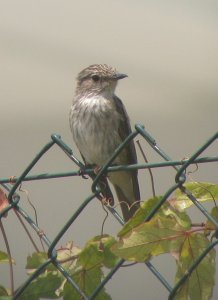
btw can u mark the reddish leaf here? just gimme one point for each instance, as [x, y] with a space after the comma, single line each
[3, 201]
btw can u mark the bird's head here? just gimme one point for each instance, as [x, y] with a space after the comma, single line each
[98, 79]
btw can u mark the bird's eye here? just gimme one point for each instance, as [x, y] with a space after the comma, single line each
[95, 78]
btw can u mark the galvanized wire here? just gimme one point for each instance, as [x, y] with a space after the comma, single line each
[11, 185]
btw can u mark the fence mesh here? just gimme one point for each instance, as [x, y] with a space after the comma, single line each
[11, 185]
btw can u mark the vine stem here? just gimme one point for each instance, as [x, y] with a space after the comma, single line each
[9, 255]
[27, 231]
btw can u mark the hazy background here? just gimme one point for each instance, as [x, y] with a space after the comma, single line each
[169, 49]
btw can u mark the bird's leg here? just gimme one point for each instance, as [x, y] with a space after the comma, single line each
[107, 198]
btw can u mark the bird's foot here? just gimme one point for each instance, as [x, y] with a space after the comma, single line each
[96, 170]
[107, 201]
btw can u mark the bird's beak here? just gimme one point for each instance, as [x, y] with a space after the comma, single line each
[120, 76]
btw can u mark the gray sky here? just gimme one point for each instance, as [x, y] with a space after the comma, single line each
[169, 49]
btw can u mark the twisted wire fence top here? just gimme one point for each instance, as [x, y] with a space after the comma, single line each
[11, 185]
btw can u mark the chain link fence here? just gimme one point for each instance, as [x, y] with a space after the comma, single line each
[11, 186]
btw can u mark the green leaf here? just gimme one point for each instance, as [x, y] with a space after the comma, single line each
[199, 285]
[202, 191]
[97, 253]
[140, 215]
[160, 235]
[36, 259]
[181, 217]
[4, 258]
[3, 291]
[43, 287]
[209, 226]
[87, 280]
[84, 267]
[68, 256]
[87, 271]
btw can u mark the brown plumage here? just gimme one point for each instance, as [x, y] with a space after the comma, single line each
[99, 123]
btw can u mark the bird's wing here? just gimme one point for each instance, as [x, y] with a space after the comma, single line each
[124, 131]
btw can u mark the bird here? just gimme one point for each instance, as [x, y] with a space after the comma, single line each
[99, 124]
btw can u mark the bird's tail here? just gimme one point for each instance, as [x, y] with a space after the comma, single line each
[127, 190]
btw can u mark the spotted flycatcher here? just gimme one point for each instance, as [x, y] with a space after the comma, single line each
[99, 124]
